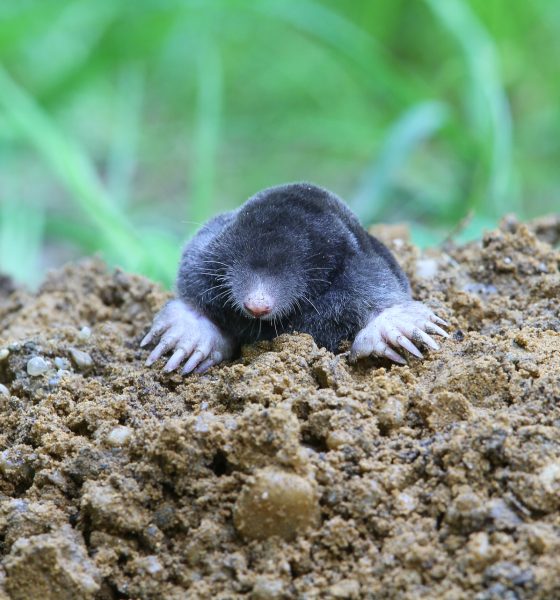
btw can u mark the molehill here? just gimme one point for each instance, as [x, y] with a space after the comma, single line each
[288, 473]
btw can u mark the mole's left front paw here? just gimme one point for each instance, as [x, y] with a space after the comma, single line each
[398, 326]
[192, 337]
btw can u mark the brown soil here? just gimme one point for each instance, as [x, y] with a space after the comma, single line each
[288, 473]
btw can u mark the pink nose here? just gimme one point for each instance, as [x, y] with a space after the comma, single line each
[257, 310]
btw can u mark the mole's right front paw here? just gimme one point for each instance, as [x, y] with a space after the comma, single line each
[192, 337]
[399, 326]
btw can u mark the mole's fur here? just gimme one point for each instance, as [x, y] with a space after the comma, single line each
[296, 256]
[325, 271]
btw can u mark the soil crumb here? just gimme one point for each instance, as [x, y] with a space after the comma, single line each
[288, 473]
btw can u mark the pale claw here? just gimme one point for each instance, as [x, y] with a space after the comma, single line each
[191, 336]
[156, 330]
[422, 337]
[408, 345]
[168, 341]
[399, 326]
[436, 319]
[391, 355]
[196, 358]
[212, 360]
[431, 328]
[176, 359]
[370, 341]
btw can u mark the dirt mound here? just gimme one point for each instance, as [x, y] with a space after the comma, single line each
[288, 473]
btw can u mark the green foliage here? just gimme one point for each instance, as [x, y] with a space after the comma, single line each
[124, 125]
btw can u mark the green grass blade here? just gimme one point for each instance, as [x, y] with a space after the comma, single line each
[21, 238]
[208, 110]
[409, 132]
[489, 104]
[73, 169]
[121, 160]
[348, 40]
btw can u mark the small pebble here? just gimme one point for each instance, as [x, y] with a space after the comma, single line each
[266, 588]
[164, 517]
[149, 564]
[37, 366]
[542, 537]
[4, 391]
[405, 503]
[502, 515]
[15, 465]
[347, 588]
[4, 353]
[54, 381]
[119, 436]
[231, 424]
[480, 288]
[550, 477]
[62, 363]
[458, 335]
[427, 268]
[338, 438]
[204, 422]
[85, 333]
[392, 414]
[82, 360]
[479, 547]
[58, 479]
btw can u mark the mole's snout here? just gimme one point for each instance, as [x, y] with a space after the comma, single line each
[256, 310]
[258, 302]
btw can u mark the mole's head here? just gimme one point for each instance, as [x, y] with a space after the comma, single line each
[267, 276]
[275, 260]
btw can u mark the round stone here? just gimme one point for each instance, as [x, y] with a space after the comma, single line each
[37, 366]
[85, 333]
[82, 360]
[119, 436]
[275, 502]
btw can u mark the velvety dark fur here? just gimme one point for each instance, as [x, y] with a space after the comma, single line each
[328, 275]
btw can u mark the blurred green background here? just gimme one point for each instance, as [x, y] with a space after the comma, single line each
[124, 125]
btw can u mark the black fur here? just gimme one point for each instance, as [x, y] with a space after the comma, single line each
[327, 274]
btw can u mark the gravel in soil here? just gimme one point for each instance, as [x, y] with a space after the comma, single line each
[288, 473]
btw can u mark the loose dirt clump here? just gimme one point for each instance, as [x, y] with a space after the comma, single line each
[288, 473]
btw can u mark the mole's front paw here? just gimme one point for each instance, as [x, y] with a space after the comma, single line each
[192, 337]
[398, 326]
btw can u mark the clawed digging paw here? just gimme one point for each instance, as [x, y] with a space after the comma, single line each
[400, 327]
[196, 342]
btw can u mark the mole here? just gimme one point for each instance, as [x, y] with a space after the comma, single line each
[292, 258]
